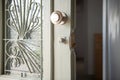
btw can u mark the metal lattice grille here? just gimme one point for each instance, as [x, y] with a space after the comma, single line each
[23, 37]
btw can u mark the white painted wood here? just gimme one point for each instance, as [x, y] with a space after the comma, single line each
[6, 77]
[47, 41]
[63, 55]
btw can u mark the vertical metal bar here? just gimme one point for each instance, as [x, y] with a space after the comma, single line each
[108, 52]
[104, 38]
[106, 42]
[41, 40]
[3, 24]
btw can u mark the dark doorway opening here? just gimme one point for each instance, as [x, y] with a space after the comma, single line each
[89, 39]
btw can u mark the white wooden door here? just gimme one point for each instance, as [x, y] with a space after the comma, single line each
[32, 47]
[63, 52]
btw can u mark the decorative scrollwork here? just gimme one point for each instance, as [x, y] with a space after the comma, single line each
[24, 18]
[19, 52]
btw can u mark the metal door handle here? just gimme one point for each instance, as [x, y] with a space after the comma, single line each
[58, 17]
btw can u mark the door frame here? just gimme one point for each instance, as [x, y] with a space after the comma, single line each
[48, 40]
[51, 50]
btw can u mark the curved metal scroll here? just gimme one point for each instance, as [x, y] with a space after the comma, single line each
[23, 36]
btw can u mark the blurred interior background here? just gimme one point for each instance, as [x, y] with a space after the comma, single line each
[89, 39]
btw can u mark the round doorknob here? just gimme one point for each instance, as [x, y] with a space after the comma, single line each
[58, 17]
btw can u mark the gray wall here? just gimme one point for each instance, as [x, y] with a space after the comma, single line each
[89, 21]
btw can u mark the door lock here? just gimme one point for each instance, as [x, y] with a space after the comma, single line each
[63, 40]
[58, 17]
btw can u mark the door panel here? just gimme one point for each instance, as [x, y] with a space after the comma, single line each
[33, 47]
[25, 41]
